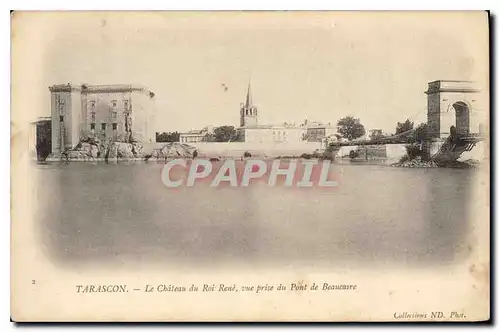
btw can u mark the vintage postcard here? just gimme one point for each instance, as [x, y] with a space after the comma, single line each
[250, 166]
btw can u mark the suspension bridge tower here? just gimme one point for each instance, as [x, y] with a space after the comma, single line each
[457, 104]
[456, 120]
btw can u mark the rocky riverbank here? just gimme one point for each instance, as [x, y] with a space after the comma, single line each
[419, 163]
[172, 150]
[92, 149]
[416, 163]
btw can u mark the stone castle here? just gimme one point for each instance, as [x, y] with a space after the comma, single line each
[105, 112]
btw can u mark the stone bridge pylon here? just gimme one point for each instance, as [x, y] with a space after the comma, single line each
[456, 118]
[455, 103]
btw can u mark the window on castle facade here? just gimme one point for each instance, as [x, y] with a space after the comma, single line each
[115, 126]
[113, 103]
[103, 126]
[113, 115]
[125, 104]
[92, 126]
[92, 115]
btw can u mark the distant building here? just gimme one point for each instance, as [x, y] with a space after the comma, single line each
[195, 136]
[318, 132]
[108, 112]
[271, 134]
[251, 131]
[41, 138]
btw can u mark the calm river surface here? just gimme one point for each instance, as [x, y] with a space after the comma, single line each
[123, 213]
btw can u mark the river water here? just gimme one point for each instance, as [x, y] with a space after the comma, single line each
[123, 213]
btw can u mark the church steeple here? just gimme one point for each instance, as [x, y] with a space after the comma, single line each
[248, 112]
[249, 96]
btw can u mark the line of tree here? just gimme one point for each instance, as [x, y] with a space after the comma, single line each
[348, 127]
[225, 134]
[168, 137]
[351, 128]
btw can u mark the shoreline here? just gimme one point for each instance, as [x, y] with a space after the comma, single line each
[377, 162]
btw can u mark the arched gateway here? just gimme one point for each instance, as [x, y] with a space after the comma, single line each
[453, 104]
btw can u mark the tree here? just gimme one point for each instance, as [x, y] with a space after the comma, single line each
[350, 128]
[401, 127]
[376, 134]
[225, 134]
[421, 132]
[159, 137]
[209, 137]
[168, 137]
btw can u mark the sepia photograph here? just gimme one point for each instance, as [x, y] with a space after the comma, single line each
[249, 166]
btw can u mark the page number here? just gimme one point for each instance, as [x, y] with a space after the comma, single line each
[33, 282]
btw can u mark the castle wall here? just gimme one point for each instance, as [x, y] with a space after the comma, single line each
[99, 111]
[143, 117]
[105, 113]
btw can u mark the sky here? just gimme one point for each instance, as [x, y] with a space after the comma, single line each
[303, 65]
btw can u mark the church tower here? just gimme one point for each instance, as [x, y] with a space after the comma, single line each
[248, 112]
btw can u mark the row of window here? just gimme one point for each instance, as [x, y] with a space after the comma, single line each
[190, 139]
[92, 125]
[113, 103]
[249, 112]
[60, 106]
[113, 115]
[103, 126]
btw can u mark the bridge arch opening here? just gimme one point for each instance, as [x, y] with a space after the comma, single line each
[462, 118]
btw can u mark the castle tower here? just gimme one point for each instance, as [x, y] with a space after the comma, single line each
[248, 112]
[65, 115]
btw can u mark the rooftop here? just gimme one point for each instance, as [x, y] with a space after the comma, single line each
[451, 86]
[271, 127]
[87, 88]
